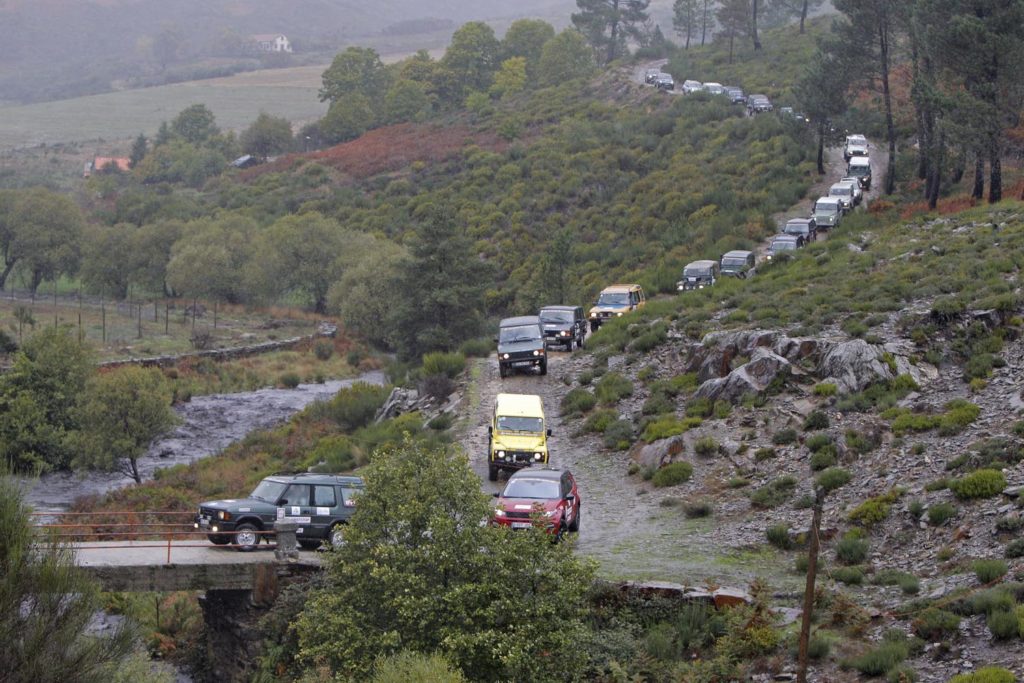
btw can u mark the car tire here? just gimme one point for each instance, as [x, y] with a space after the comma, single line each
[581, 341]
[575, 526]
[336, 536]
[594, 326]
[309, 545]
[544, 368]
[492, 472]
[246, 537]
[219, 539]
[502, 370]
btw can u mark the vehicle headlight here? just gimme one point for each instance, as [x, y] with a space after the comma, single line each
[223, 514]
[619, 314]
[700, 286]
[537, 456]
[214, 528]
[504, 356]
[538, 352]
[551, 513]
[565, 333]
[499, 512]
[195, 525]
[679, 287]
[501, 455]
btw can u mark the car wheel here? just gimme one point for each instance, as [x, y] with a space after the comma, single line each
[492, 473]
[309, 545]
[581, 341]
[544, 368]
[246, 538]
[560, 534]
[502, 371]
[594, 326]
[575, 526]
[336, 536]
[219, 539]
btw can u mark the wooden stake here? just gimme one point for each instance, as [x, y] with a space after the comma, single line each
[812, 573]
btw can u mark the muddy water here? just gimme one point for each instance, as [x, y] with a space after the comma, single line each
[208, 424]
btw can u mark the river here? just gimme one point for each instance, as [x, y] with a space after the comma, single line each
[208, 425]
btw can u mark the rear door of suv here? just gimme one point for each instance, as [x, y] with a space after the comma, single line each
[325, 509]
[296, 504]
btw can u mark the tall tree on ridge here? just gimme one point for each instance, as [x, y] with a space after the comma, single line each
[607, 24]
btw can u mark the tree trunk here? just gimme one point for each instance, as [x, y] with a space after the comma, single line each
[935, 172]
[821, 148]
[812, 572]
[614, 39]
[753, 26]
[732, 37]
[803, 16]
[959, 165]
[133, 464]
[979, 178]
[704, 24]
[890, 127]
[6, 272]
[37, 279]
[995, 177]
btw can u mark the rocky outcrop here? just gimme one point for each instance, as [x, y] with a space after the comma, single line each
[402, 401]
[753, 377]
[654, 455]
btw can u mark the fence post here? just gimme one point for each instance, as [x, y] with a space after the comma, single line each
[140, 320]
[287, 540]
[103, 314]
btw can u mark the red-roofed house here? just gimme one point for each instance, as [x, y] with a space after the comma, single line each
[123, 164]
[272, 42]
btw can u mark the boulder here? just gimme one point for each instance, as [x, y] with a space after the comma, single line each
[714, 355]
[654, 455]
[730, 597]
[751, 378]
[854, 365]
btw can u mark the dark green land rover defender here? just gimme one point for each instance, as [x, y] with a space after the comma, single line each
[320, 504]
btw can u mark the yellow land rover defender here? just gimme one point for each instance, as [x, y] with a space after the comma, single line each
[517, 435]
[615, 301]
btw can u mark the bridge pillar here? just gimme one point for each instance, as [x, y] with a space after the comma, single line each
[232, 633]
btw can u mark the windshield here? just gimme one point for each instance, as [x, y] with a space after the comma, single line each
[734, 262]
[613, 299]
[839, 191]
[796, 228]
[784, 246]
[533, 425]
[268, 491]
[556, 316]
[531, 488]
[519, 333]
[859, 170]
[696, 271]
[825, 209]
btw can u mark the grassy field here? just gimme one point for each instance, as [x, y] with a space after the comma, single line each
[235, 100]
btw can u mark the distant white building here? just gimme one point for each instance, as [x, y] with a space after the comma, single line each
[272, 42]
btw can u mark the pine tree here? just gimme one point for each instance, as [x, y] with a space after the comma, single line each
[607, 24]
[685, 19]
[734, 16]
[139, 149]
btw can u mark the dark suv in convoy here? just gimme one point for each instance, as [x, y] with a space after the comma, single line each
[546, 497]
[804, 227]
[521, 345]
[320, 504]
[564, 325]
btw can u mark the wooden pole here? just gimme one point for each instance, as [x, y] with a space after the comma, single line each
[55, 302]
[103, 313]
[167, 318]
[812, 573]
[156, 313]
[195, 305]
[215, 314]
[140, 320]
[81, 334]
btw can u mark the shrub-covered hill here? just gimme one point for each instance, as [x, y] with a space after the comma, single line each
[637, 190]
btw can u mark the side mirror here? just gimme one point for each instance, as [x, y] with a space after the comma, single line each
[495, 494]
[283, 501]
[570, 498]
[495, 340]
[549, 432]
[490, 429]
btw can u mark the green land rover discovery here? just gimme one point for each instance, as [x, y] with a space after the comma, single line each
[320, 504]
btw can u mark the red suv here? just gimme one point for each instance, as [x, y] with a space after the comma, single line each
[548, 492]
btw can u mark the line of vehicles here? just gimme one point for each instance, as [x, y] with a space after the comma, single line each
[756, 103]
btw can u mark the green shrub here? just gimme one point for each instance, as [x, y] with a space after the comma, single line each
[723, 409]
[699, 407]
[832, 478]
[706, 446]
[577, 402]
[980, 484]
[804, 502]
[988, 674]
[684, 382]
[901, 674]
[874, 510]
[672, 474]
[450, 365]
[774, 493]
[853, 576]
[815, 421]
[935, 624]
[289, 380]
[598, 421]
[333, 454]
[959, 414]
[816, 442]
[784, 437]
[619, 435]
[1003, 625]
[441, 422]
[612, 388]
[818, 647]
[908, 583]
[697, 509]
[823, 459]
[476, 348]
[664, 427]
[996, 599]
[940, 513]
[658, 404]
[861, 443]
[851, 550]
[323, 349]
[825, 389]
[762, 454]
[778, 536]
[988, 571]
[880, 660]
[937, 485]
[1015, 548]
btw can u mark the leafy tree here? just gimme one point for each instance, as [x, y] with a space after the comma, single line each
[369, 285]
[181, 162]
[195, 124]
[268, 135]
[139, 149]
[565, 57]
[472, 56]
[685, 19]
[163, 134]
[44, 236]
[9, 245]
[525, 38]
[420, 68]
[555, 267]
[210, 258]
[734, 17]
[299, 254]
[120, 414]
[443, 284]
[151, 247]
[356, 71]
[407, 100]
[755, 6]
[796, 8]
[419, 572]
[347, 119]
[608, 24]
[108, 259]
[511, 77]
[47, 606]
[166, 45]
[37, 398]
[823, 93]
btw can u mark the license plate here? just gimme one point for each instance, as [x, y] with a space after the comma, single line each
[522, 363]
[521, 525]
[203, 521]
